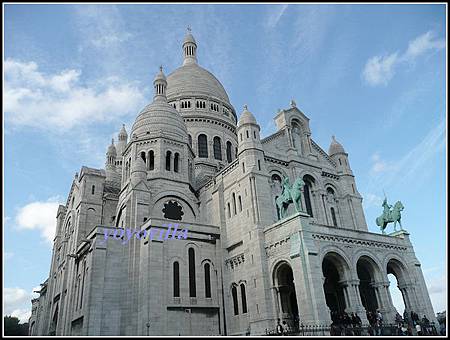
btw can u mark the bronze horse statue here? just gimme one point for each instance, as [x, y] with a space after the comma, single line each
[290, 195]
[389, 216]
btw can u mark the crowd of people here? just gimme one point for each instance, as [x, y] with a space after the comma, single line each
[411, 321]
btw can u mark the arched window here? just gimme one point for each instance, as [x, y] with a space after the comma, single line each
[202, 146]
[244, 299]
[93, 190]
[190, 140]
[176, 160]
[229, 152]
[307, 193]
[254, 134]
[235, 300]
[243, 167]
[234, 203]
[217, 148]
[151, 160]
[247, 133]
[168, 157]
[207, 280]
[143, 156]
[229, 210]
[259, 164]
[240, 203]
[333, 216]
[176, 279]
[192, 288]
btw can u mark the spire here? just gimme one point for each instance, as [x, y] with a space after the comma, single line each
[160, 85]
[123, 135]
[189, 48]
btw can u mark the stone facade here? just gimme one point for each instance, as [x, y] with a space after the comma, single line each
[189, 161]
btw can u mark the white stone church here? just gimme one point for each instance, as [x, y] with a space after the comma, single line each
[189, 160]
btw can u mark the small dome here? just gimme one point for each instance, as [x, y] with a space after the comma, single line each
[112, 149]
[189, 38]
[335, 147]
[247, 117]
[160, 75]
[160, 118]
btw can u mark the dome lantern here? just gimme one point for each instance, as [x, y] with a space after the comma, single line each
[160, 85]
[189, 48]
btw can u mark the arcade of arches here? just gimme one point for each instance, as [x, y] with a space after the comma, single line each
[347, 288]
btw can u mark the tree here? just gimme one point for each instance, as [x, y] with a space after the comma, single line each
[13, 327]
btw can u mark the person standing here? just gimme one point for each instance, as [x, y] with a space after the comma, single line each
[279, 328]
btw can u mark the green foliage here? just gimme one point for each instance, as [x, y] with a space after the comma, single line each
[13, 327]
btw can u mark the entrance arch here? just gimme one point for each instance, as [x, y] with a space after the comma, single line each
[336, 272]
[287, 299]
[368, 274]
[396, 268]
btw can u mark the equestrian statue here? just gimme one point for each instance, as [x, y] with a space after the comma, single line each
[390, 214]
[290, 194]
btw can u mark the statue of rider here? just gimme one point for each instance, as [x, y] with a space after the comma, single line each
[286, 187]
[386, 209]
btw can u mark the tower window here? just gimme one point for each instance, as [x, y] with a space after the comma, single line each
[235, 300]
[229, 210]
[229, 152]
[240, 203]
[254, 134]
[333, 216]
[176, 279]
[143, 156]
[244, 299]
[247, 133]
[192, 288]
[207, 280]
[202, 146]
[243, 167]
[217, 148]
[259, 164]
[176, 161]
[168, 157]
[151, 160]
[93, 190]
[234, 203]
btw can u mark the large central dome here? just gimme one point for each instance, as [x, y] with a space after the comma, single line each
[192, 80]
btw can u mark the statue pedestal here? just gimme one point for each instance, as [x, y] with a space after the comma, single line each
[400, 233]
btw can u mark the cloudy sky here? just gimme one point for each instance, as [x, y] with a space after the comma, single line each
[373, 75]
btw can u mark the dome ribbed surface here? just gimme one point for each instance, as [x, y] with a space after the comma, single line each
[192, 80]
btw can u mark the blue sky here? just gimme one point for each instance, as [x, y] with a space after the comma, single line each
[373, 75]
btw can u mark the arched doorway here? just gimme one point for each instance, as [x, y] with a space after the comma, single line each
[286, 295]
[397, 277]
[367, 275]
[334, 269]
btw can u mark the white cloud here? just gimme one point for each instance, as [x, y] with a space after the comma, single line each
[17, 302]
[60, 102]
[275, 14]
[39, 216]
[423, 44]
[415, 161]
[379, 70]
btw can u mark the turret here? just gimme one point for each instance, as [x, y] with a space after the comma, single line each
[122, 143]
[110, 165]
[249, 147]
[338, 154]
[138, 171]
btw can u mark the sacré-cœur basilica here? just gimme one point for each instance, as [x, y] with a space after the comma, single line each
[189, 159]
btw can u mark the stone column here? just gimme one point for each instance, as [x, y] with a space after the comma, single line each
[357, 303]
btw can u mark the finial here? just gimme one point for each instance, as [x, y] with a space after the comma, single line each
[333, 138]
[160, 68]
[245, 107]
[293, 103]
[189, 28]
[123, 125]
[112, 141]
